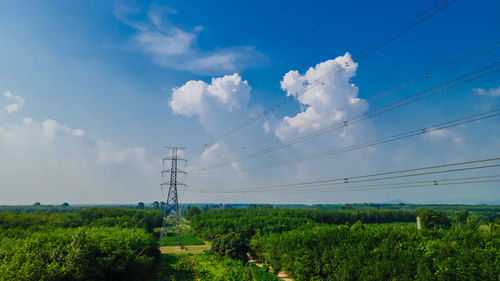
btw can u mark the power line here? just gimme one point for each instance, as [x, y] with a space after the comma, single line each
[408, 134]
[425, 15]
[380, 110]
[402, 136]
[435, 183]
[407, 186]
[399, 174]
[400, 86]
[376, 176]
[436, 8]
[446, 86]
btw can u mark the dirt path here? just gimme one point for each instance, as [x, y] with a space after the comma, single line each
[281, 275]
[194, 249]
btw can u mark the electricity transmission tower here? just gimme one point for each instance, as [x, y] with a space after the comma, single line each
[171, 214]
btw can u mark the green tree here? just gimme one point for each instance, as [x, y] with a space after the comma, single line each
[193, 211]
[230, 244]
[347, 207]
[358, 226]
[432, 219]
[156, 205]
[462, 216]
[140, 205]
[65, 204]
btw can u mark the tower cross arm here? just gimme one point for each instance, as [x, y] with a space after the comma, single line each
[169, 183]
[174, 158]
[174, 171]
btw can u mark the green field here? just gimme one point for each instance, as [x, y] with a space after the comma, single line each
[188, 238]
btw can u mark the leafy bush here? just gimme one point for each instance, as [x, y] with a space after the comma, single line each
[217, 268]
[232, 245]
[193, 211]
[432, 219]
[259, 274]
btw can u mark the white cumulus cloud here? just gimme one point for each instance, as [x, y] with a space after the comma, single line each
[219, 106]
[227, 95]
[324, 91]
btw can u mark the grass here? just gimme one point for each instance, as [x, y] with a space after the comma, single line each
[188, 239]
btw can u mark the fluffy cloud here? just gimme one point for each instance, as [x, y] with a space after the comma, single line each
[224, 96]
[13, 107]
[175, 48]
[222, 105]
[219, 106]
[492, 92]
[324, 91]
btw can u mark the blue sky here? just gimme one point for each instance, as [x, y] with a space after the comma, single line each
[93, 82]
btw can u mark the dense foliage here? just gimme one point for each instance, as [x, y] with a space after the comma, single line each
[96, 253]
[232, 229]
[231, 245]
[215, 268]
[356, 244]
[432, 219]
[308, 244]
[381, 253]
[90, 244]
[208, 267]
[259, 274]
[247, 222]
[193, 211]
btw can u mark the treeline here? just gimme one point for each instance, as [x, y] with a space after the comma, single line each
[213, 223]
[381, 253]
[98, 216]
[42, 208]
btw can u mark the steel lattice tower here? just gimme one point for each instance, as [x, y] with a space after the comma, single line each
[171, 214]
